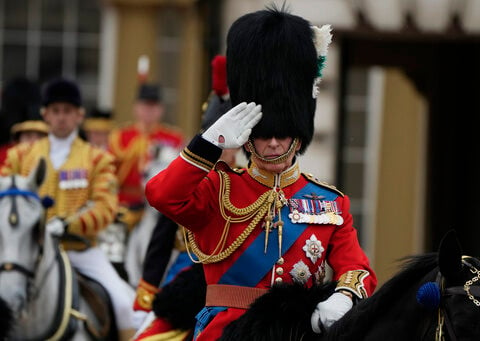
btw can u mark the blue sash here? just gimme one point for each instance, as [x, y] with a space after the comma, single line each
[182, 262]
[240, 273]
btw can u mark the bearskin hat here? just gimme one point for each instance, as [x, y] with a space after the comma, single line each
[218, 103]
[62, 90]
[272, 61]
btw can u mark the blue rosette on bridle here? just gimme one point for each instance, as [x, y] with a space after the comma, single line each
[428, 295]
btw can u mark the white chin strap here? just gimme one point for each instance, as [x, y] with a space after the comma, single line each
[278, 159]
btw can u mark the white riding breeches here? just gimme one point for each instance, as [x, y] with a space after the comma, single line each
[94, 263]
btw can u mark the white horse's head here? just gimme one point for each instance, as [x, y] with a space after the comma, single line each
[21, 234]
[163, 155]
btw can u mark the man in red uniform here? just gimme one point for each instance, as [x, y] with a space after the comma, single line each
[134, 145]
[270, 223]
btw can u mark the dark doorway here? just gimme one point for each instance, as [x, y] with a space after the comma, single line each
[446, 71]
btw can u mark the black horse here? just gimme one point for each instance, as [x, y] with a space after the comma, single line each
[434, 297]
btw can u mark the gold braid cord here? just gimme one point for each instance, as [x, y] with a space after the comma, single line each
[254, 212]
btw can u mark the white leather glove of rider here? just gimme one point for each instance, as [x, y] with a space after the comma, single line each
[56, 227]
[234, 126]
[330, 310]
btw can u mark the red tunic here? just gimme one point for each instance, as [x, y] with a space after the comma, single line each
[3, 152]
[132, 150]
[190, 196]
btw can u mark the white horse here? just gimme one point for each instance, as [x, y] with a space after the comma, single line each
[140, 236]
[36, 279]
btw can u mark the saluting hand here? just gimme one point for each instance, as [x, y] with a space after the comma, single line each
[235, 126]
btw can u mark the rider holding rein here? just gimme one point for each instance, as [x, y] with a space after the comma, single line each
[81, 180]
[269, 223]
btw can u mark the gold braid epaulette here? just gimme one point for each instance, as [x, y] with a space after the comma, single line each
[352, 281]
[255, 211]
[313, 179]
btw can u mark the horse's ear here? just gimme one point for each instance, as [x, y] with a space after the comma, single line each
[450, 255]
[38, 175]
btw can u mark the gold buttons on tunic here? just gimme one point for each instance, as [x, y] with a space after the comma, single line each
[279, 271]
[280, 261]
[278, 280]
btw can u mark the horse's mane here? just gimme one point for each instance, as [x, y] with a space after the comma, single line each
[358, 320]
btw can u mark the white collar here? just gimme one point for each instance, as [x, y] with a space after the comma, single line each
[60, 148]
[62, 142]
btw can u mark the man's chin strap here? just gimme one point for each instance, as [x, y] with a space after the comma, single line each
[278, 159]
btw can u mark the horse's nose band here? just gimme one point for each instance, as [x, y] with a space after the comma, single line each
[7, 267]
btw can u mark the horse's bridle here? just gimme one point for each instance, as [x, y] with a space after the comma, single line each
[10, 266]
[471, 292]
[13, 218]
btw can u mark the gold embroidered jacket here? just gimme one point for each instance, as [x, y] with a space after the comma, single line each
[84, 188]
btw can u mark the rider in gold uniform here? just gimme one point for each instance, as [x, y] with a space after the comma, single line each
[81, 180]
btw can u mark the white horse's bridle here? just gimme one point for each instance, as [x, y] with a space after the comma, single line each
[13, 218]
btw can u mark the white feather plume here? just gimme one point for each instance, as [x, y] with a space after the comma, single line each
[322, 37]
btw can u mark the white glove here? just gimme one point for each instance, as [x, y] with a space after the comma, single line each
[56, 227]
[234, 126]
[330, 310]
